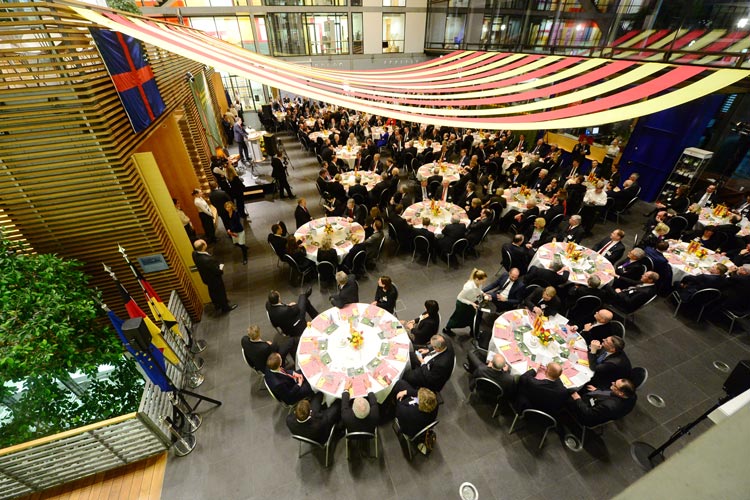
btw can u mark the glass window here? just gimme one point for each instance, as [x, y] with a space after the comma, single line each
[305, 2]
[246, 33]
[454, 30]
[288, 34]
[394, 3]
[328, 33]
[393, 32]
[229, 31]
[206, 24]
[260, 30]
[357, 43]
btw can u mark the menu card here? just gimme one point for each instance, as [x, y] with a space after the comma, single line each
[385, 374]
[331, 382]
[321, 322]
[360, 385]
[312, 366]
[502, 333]
[513, 355]
[307, 346]
[348, 311]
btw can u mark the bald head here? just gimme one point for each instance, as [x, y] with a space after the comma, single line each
[554, 370]
[498, 362]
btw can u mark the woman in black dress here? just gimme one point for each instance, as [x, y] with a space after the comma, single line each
[386, 294]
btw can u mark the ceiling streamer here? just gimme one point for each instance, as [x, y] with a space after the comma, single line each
[467, 89]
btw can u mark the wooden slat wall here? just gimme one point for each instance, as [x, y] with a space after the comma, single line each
[67, 185]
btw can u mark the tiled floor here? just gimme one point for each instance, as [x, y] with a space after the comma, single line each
[244, 450]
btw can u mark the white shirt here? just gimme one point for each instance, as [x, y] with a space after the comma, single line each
[505, 292]
[470, 293]
[594, 198]
[704, 199]
[202, 206]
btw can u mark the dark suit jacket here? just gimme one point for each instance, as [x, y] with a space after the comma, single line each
[424, 330]
[288, 318]
[546, 275]
[435, 373]
[451, 233]
[544, 395]
[504, 379]
[631, 272]
[358, 189]
[410, 419]
[257, 352]
[354, 424]
[597, 332]
[519, 255]
[348, 294]
[301, 216]
[515, 296]
[208, 269]
[550, 307]
[603, 409]
[572, 234]
[701, 281]
[404, 231]
[476, 230]
[614, 366]
[318, 426]
[633, 297]
[286, 389]
[735, 293]
[613, 253]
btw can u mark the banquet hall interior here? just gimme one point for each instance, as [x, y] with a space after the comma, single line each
[116, 188]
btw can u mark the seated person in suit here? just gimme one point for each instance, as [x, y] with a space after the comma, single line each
[507, 290]
[707, 238]
[297, 252]
[386, 294]
[257, 350]
[373, 242]
[714, 278]
[658, 234]
[631, 298]
[478, 227]
[608, 361]
[497, 370]
[309, 419]
[574, 231]
[736, 290]
[520, 256]
[543, 301]
[548, 394]
[575, 292]
[358, 189]
[422, 328]
[556, 275]
[451, 233]
[599, 329]
[326, 252]
[354, 212]
[536, 235]
[415, 408]
[288, 387]
[277, 239]
[348, 290]
[301, 214]
[290, 318]
[432, 367]
[594, 406]
[630, 270]
[475, 209]
[359, 414]
[611, 247]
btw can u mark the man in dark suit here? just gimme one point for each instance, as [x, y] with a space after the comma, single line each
[623, 196]
[575, 292]
[555, 276]
[600, 328]
[507, 290]
[423, 231]
[592, 406]
[416, 408]
[520, 256]
[348, 290]
[257, 350]
[608, 361]
[451, 233]
[497, 370]
[278, 172]
[410, 150]
[540, 149]
[611, 248]
[543, 301]
[211, 273]
[574, 231]
[288, 387]
[404, 231]
[478, 227]
[547, 395]
[422, 328]
[630, 270]
[360, 414]
[631, 298]
[301, 213]
[355, 212]
[309, 419]
[661, 266]
[715, 278]
[737, 289]
[707, 198]
[432, 367]
[290, 318]
[358, 188]
[322, 180]
[520, 219]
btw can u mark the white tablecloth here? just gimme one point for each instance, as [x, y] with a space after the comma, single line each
[509, 157]
[414, 213]
[368, 179]
[517, 201]
[684, 264]
[345, 235]
[707, 218]
[348, 155]
[449, 171]
[589, 263]
[512, 337]
[328, 361]
[436, 146]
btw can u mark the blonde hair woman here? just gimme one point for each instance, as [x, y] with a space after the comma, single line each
[236, 229]
[467, 302]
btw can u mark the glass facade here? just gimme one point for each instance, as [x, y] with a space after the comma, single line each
[393, 32]
[309, 34]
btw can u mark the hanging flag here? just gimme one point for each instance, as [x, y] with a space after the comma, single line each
[133, 77]
[136, 312]
[148, 361]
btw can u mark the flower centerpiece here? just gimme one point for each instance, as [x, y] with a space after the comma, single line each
[328, 228]
[701, 253]
[720, 210]
[355, 337]
[540, 332]
[435, 208]
[524, 191]
[693, 246]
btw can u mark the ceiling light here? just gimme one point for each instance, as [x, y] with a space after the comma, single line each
[742, 22]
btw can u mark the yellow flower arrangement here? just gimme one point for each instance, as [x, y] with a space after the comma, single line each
[355, 337]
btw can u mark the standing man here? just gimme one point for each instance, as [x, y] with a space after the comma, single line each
[240, 137]
[211, 271]
[278, 172]
[206, 215]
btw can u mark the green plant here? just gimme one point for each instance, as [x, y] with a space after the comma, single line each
[124, 5]
[48, 330]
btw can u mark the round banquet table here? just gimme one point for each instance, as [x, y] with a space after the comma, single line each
[512, 338]
[348, 154]
[310, 122]
[421, 145]
[377, 132]
[509, 157]
[368, 179]
[589, 263]
[518, 201]
[449, 171]
[328, 361]
[684, 263]
[345, 235]
[323, 134]
[707, 218]
[280, 115]
[414, 213]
